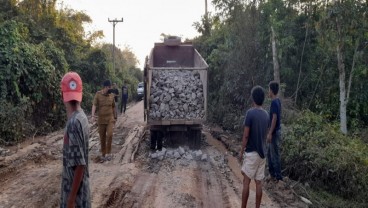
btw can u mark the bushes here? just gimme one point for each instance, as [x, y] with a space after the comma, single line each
[36, 49]
[88, 95]
[30, 81]
[315, 151]
[14, 124]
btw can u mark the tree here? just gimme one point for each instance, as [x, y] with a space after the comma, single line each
[38, 44]
[276, 66]
[342, 32]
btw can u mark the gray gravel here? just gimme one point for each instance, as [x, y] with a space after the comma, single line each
[176, 94]
[179, 153]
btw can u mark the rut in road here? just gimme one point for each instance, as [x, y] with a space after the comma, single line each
[152, 183]
[175, 183]
[30, 177]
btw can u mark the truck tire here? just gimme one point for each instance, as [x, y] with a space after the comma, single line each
[160, 137]
[153, 140]
[194, 139]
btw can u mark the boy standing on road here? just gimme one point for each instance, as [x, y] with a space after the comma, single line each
[254, 146]
[75, 191]
[274, 134]
[104, 102]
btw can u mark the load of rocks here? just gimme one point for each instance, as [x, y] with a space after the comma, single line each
[178, 154]
[176, 94]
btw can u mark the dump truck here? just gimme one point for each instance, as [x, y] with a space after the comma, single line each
[175, 102]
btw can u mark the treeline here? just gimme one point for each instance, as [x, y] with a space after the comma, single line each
[317, 49]
[38, 44]
[237, 43]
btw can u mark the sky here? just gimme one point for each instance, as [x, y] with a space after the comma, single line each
[143, 20]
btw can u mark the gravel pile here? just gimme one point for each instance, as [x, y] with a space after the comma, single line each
[179, 153]
[176, 94]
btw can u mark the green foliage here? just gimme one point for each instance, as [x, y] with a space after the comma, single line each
[93, 69]
[239, 53]
[238, 50]
[322, 198]
[28, 72]
[89, 91]
[315, 151]
[38, 45]
[14, 121]
[125, 71]
[341, 30]
[7, 9]
[231, 52]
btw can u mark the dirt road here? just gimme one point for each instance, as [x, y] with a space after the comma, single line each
[30, 175]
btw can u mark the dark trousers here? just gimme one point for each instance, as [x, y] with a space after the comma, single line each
[273, 156]
[124, 101]
[156, 139]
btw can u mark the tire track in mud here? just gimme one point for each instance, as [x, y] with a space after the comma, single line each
[31, 175]
[213, 181]
[174, 183]
[37, 152]
[31, 178]
[180, 183]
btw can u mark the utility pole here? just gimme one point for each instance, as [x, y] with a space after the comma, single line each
[205, 8]
[206, 23]
[114, 22]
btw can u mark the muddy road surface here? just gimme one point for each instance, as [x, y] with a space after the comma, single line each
[136, 177]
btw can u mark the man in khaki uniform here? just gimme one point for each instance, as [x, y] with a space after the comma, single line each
[104, 102]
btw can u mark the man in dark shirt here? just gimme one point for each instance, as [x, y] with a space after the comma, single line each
[274, 133]
[124, 98]
[115, 91]
[75, 191]
[254, 146]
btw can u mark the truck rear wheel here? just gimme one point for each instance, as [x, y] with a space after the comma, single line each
[194, 139]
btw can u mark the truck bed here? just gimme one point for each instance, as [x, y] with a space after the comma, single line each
[178, 58]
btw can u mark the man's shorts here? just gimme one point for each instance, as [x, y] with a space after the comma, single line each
[253, 166]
